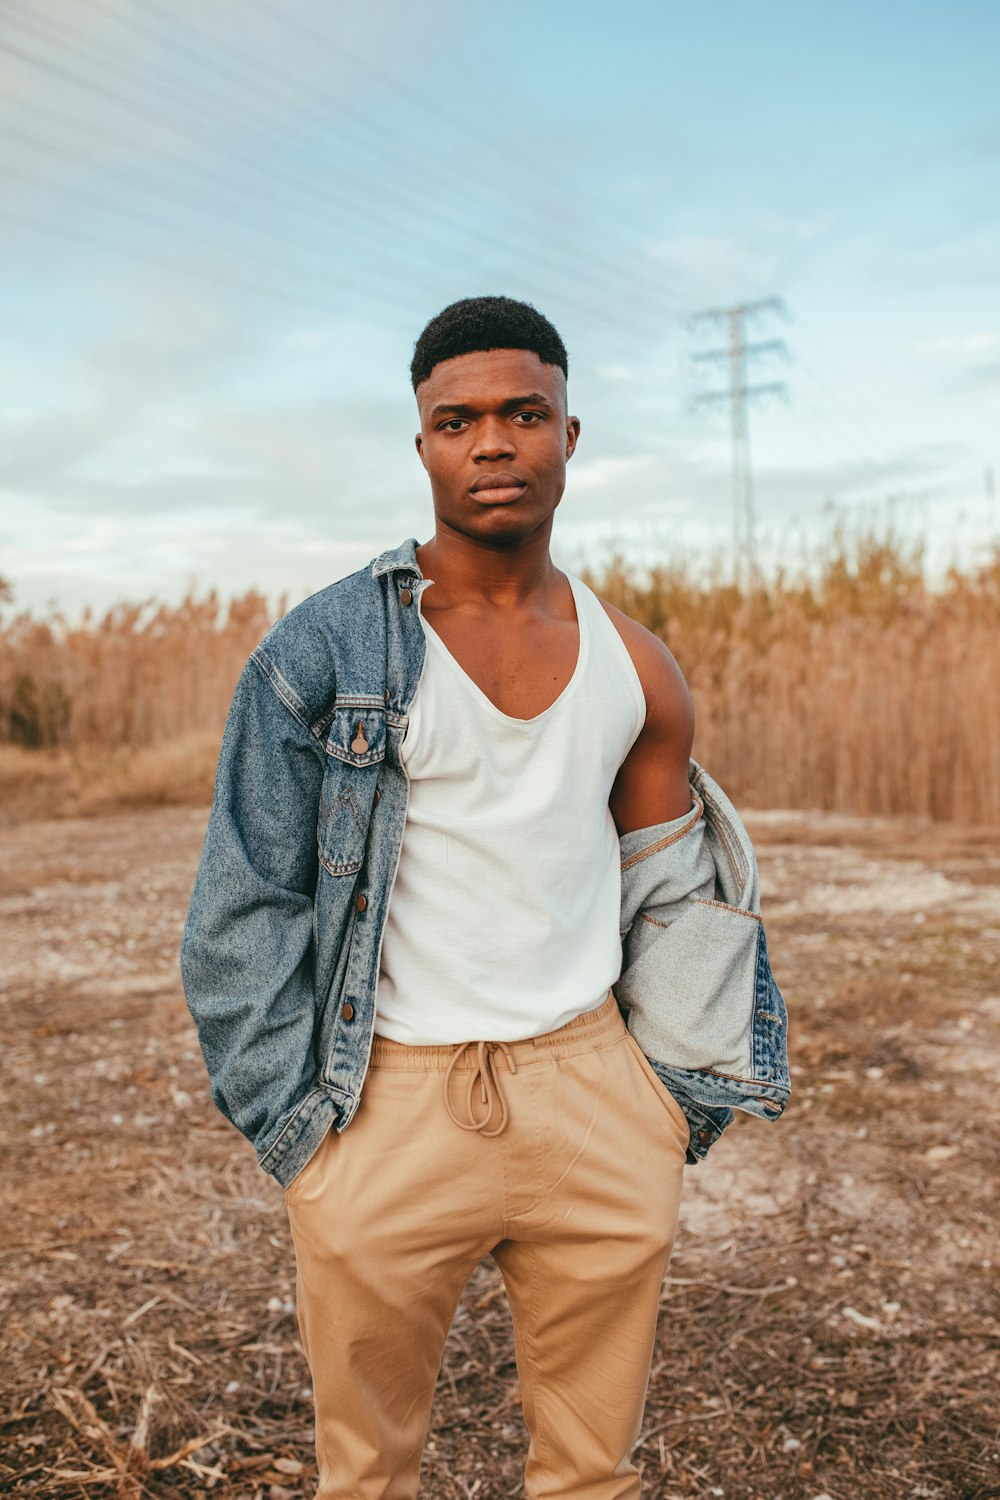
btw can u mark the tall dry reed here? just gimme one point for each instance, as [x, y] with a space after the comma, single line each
[140, 675]
[845, 682]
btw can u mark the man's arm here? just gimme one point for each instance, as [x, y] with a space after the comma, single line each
[652, 783]
[247, 951]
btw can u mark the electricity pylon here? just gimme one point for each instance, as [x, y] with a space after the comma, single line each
[739, 395]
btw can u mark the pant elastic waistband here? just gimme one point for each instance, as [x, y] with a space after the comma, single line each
[578, 1035]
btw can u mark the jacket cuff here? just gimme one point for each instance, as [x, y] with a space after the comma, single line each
[641, 842]
[664, 864]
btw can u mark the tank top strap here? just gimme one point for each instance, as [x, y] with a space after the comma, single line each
[609, 649]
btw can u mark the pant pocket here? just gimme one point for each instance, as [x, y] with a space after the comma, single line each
[312, 1165]
[663, 1094]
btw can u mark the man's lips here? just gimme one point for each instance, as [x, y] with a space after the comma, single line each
[497, 489]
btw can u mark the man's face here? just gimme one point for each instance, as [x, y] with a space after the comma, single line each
[494, 438]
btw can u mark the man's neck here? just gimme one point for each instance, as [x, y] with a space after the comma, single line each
[467, 570]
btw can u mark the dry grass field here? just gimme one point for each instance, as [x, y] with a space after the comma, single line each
[844, 682]
[830, 1323]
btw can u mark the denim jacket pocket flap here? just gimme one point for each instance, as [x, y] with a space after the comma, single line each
[357, 732]
[345, 814]
[689, 987]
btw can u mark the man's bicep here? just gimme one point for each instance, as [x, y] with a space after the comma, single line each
[652, 784]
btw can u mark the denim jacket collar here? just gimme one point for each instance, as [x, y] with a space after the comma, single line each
[398, 559]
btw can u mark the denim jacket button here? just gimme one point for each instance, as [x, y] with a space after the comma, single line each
[348, 1012]
[362, 901]
[387, 695]
[406, 597]
[378, 796]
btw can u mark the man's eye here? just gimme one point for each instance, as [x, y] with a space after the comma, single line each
[535, 415]
[453, 424]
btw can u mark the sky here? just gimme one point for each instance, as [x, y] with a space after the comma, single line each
[223, 225]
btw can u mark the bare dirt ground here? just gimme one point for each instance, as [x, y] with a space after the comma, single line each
[829, 1326]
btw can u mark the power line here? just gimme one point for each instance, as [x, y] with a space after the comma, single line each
[855, 473]
[468, 127]
[240, 66]
[241, 283]
[738, 396]
[221, 119]
[186, 194]
[851, 433]
[131, 212]
[864, 439]
[190, 127]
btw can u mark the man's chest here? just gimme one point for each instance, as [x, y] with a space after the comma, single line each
[522, 667]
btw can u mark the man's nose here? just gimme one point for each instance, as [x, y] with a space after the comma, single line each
[494, 439]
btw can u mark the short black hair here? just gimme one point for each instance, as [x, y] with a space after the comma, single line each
[477, 323]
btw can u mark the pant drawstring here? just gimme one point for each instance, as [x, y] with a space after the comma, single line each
[489, 1085]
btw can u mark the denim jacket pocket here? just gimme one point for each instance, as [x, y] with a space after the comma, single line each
[355, 748]
[688, 985]
[705, 1010]
[356, 732]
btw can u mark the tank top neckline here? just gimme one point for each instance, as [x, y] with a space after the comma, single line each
[576, 585]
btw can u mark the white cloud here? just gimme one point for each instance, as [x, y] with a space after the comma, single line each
[950, 345]
[708, 266]
[304, 338]
[601, 473]
[799, 229]
[102, 535]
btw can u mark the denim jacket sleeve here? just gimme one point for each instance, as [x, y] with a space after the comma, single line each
[696, 987]
[248, 941]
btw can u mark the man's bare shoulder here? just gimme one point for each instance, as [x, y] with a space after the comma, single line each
[668, 701]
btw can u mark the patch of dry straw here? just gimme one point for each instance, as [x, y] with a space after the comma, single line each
[845, 683]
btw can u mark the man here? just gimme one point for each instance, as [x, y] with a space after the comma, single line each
[406, 928]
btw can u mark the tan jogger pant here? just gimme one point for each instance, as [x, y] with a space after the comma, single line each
[561, 1157]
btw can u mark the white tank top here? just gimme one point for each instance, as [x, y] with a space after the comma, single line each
[503, 920]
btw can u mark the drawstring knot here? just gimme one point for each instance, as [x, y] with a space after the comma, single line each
[489, 1086]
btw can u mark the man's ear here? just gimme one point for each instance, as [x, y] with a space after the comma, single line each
[572, 434]
[419, 440]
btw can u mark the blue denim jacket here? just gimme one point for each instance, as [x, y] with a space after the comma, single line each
[281, 945]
